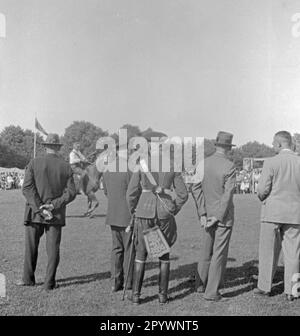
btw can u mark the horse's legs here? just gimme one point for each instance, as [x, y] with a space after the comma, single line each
[92, 197]
[89, 204]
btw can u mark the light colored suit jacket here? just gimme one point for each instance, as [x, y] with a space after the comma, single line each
[279, 188]
[214, 195]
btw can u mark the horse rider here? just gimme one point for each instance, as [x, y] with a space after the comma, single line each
[150, 201]
[77, 161]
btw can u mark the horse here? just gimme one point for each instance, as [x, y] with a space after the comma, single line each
[89, 181]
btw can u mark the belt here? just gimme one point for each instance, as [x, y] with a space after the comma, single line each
[163, 191]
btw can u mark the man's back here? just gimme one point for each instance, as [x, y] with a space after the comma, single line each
[218, 185]
[48, 179]
[51, 174]
[279, 188]
[115, 186]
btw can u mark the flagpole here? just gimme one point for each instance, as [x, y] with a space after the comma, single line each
[34, 141]
[34, 146]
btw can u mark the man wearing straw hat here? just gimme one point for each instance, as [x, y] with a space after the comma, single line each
[48, 187]
[214, 202]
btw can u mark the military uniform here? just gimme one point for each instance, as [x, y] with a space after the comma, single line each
[152, 210]
[48, 180]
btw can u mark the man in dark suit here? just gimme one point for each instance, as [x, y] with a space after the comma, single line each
[115, 184]
[149, 197]
[48, 187]
[214, 202]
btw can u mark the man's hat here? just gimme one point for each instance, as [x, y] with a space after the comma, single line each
[148, 135]
[52, 140]
[224, 139]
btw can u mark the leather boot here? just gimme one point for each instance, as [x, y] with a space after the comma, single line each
[163, 281]
[138, 277]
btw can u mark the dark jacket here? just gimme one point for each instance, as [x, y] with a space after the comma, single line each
[115, 185]
[141, 199]
[214, 195]
[48, 179]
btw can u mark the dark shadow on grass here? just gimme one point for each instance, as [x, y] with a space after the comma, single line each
[83, 279]
[98, 216]
[87, 217]
[278, 284]
[246, 276]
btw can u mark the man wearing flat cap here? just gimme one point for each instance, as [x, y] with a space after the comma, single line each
[214, 201]
[48, 187]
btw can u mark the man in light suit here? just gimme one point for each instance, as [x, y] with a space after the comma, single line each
[214, 201]
[279, 190]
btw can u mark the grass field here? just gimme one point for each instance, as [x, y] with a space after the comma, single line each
[84, 270]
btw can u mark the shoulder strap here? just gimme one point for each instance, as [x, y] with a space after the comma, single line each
[145, 169]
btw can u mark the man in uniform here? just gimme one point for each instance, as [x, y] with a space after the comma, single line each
[48, 187]
[115, 184]
[150, 200]
[214, 202]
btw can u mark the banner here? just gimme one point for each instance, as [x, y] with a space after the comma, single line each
[39, 127]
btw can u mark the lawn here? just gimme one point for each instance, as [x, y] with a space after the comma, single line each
[84, 270]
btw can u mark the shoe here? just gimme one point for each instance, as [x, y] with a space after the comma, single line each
[217, 298]
[290, 297]
[134, 298]
[258, 291]
[200, 289]
[21, 283]
[116, 288]
[50, 288]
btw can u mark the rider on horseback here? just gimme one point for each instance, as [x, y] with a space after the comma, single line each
[77, 162]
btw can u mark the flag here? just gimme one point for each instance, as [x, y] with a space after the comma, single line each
[39, 127]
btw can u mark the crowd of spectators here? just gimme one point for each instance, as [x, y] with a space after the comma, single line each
[247, 181]
[11, 180]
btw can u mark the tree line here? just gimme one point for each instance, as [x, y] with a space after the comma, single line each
[16, 144]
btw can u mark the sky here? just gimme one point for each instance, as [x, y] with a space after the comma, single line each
[184, 67]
